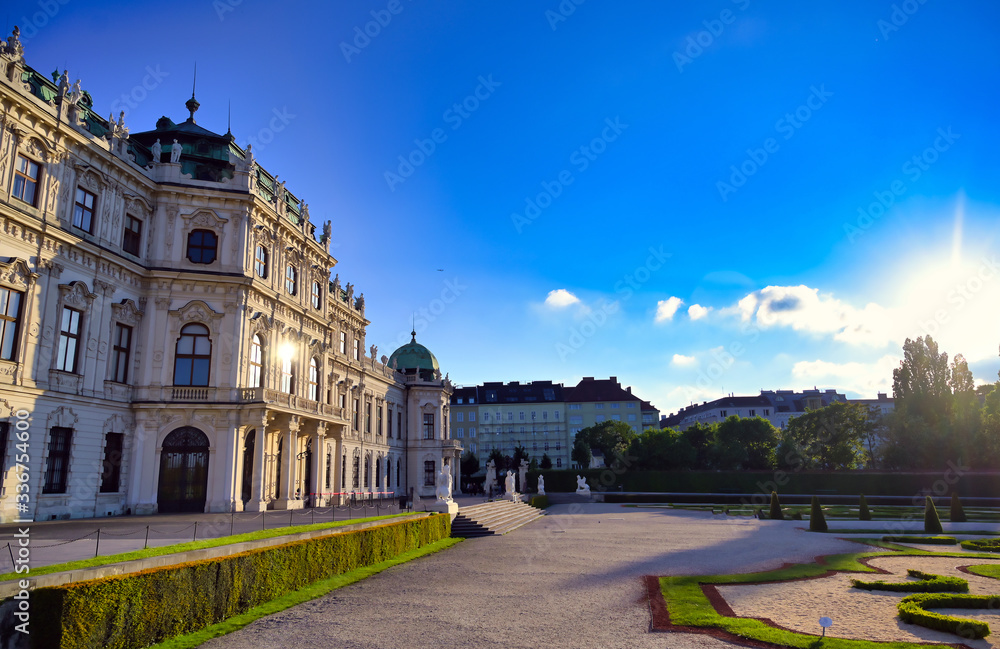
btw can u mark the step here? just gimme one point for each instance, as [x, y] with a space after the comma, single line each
[493, 518]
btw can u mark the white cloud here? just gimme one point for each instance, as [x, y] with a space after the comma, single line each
[697, 311]
[682, 360]
[560, 299]
[806, 309]
[665, 309]
[866, 379]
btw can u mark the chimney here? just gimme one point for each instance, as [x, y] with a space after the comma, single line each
[629, 389]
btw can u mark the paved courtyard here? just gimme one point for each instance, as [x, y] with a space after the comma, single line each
[570, 579]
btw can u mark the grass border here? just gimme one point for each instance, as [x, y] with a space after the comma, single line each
[294, 598]
[692, 604]
[189, 546]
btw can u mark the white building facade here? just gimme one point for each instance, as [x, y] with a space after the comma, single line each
[170, 330]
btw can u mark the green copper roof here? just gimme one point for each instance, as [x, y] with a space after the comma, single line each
[414, 356]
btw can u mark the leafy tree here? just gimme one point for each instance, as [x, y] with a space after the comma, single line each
[656, 449]
[612, 438]
[830, 438]
[581, 453]
[701, 439]
[499, 462]
[920, 384]
[546, 462]
[469, 463]
[520, 453]
[745, 443]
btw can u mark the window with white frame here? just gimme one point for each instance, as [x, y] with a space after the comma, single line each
[69, 340]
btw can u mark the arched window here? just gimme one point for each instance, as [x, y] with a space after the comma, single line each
[287, 376]
[256, 362]
[313, 379]
[193, 356]
[202, 245]
[291, 280]
[260, 261]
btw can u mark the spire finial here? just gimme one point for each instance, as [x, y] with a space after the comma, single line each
[229, 120]
[414, 332]
[192, 104]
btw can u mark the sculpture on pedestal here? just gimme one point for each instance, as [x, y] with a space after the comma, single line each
[522, 474]
[582, 487]
[541, 485]
[157, 150]
[443, 490]
[175, 152]
[491, 469]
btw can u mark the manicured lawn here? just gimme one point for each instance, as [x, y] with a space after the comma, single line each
[688, 605]
[190, 545]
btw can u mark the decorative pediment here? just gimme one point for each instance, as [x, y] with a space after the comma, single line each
[91, 181]
[260, 323]
[37, 148]
[76, 294]
[316, 346]
[15, 273]
[204, 219]
[118, 424]
[63, 417]
[138, 206]
[126, 312]
[198, 311]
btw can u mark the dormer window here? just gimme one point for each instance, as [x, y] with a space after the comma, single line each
[202, 246]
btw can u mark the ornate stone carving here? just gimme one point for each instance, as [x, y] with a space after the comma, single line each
[126, 313]
[76, 294]
[16, 274]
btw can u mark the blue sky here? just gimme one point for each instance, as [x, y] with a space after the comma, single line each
[718, 197]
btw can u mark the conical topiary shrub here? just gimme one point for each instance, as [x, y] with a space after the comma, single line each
[817, 522]
[957, 513]
[863, 513]
[775, 514]
[932, 523]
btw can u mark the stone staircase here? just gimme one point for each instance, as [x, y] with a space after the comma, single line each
[496, 517]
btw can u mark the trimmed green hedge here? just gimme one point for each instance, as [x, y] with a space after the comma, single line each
[764, 482]
[928, 584]
[143, 608]
[982, 545]
[541, 502]
[929, 540]
[913, 609]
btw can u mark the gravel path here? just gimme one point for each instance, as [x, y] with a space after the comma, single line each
[571, 579]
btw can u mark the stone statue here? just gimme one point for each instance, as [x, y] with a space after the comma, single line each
[14, 48]
[384, 359]
[327, 233]
[279, 191]
[372, 351]
[509, 482]
[582, 487]
[75, 94]
[350, 293]
[437, 375]
[522, 474]
[541, 485]
[175, 152]
[304, 210]
[64, 84]
[491, 471]
[336, 287]
[157, 150]
[359, 304]
[443, 490]
[394, 365]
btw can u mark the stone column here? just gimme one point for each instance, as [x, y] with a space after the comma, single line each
[457, 473]
[288, 498]
[258, 500]
[224, 490]
[319, 465]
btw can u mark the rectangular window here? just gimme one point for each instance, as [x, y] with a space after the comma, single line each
[458, 416]
[25, 180]
[10, 312]
[343, 401]
[767, 412]
[343, 342]
[429, 473]
[558, 462]
[388, 431]
[486, 416]
[472, 416]
[368, 417]
[546, 446]
[459, 433]
[112, 470]
[555, 415]
[616, 417]
[399, 425]
[520, 415]
[472, 432]
[599, 418]
[598, 406]
[574, 406]
[558, 446]
[357, 407]
[631, 416]
[378, 428]
[615, 406]
[429, 425]
[510, 416]
[83, 210]
[4, 429]
[69, 340]
[132, 237]
[630, 404]
[357, 349]
[576, 419]
[753, 413]
[120, 354]
[57, 462]
[722, 413]
[472, 447]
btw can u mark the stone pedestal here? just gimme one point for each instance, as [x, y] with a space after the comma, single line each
[442, 507]
[283, 503]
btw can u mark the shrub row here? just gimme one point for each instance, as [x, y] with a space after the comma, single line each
[763, 482]
[929, 540]
[982, 545]
[928, 584]
[541, 502]
[143, 608]
[913, 609]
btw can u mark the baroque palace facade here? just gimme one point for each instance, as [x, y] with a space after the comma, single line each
[169, 326]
